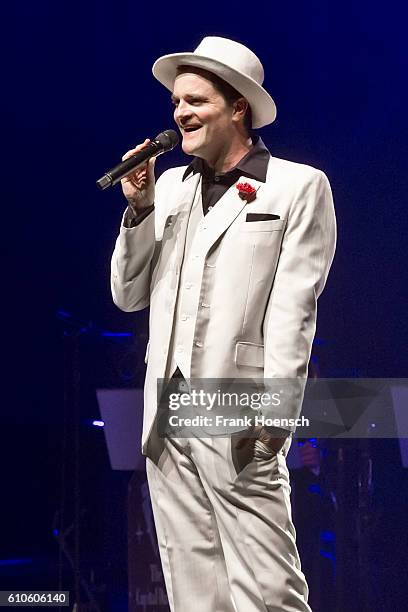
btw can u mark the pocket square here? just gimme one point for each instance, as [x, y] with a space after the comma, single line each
[261, 217]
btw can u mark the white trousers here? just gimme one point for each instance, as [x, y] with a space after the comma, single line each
[224, 526]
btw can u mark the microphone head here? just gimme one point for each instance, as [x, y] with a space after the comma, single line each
[167, 140]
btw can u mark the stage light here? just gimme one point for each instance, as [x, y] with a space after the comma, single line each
[98, 423]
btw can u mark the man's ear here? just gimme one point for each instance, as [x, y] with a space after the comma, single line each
[240, 107]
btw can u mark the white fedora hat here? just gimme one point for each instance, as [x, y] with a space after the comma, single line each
[232, 62]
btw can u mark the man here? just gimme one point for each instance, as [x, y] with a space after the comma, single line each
[231, 253]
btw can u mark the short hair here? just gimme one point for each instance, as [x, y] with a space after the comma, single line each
[228, 92]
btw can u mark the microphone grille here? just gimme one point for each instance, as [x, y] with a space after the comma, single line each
[168, 139]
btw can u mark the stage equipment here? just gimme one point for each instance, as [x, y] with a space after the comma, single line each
[92, 547]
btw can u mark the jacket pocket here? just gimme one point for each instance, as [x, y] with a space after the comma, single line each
[249, 354]
[262, 226]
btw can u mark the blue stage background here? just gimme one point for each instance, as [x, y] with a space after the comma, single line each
[80, 93]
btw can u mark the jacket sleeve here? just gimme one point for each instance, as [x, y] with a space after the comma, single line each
[131, 265]
[135, 251]
[307, 252]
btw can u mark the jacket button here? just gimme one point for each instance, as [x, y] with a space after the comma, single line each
[198, 344]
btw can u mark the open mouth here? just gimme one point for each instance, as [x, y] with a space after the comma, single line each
[191, 128]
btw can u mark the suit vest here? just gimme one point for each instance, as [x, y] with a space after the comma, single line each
[188, 295]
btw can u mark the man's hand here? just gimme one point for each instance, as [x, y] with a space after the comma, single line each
[138, 187]
[260, 433]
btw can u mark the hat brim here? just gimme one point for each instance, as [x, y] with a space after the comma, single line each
[262, 105]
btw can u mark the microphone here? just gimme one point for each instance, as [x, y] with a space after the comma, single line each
[165, 141]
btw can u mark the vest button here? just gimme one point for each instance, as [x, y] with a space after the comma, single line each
[199, 344]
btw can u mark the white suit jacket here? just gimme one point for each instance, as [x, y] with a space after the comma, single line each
[261, 279]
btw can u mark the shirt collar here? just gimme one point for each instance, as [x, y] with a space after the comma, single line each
[254, 164]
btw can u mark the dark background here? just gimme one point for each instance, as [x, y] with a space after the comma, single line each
[78, 93]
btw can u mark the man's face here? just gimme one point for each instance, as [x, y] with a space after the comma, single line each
[203, 116]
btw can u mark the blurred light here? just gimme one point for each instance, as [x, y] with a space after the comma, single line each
[311, 441]
[63, 314]
[116, 334]
[324, 553]
[15, 561]
[98, 423]
[328, 536]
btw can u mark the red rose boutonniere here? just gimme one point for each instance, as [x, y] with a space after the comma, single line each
[246, 192]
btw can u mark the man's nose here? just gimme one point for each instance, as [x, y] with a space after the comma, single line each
[183, 112]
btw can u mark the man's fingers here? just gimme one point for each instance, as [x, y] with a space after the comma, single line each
[141, 173]
[137, 148]
[139, 183]
[253, 433]
[150, 168]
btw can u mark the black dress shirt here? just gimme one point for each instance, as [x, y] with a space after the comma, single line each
[253, 165]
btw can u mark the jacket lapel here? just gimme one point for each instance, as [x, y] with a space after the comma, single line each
[179, 214]
[215, 223]
[226, 210]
